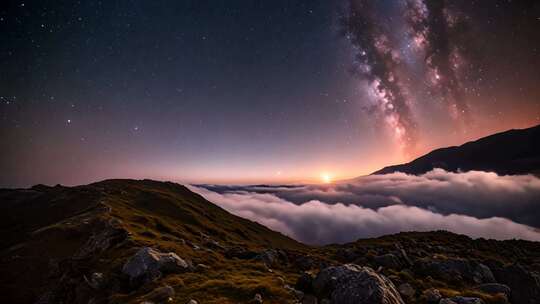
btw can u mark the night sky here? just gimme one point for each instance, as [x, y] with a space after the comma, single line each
[249, 91]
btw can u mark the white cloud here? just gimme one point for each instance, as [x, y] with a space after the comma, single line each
[395, 202]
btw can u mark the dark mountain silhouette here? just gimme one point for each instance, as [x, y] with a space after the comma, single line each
[506, 153]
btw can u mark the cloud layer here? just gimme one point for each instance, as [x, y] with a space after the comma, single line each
[479, 204]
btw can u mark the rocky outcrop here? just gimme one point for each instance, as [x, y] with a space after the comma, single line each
[452, 270]
[388, 260]
[148, 264]
[351, 283]
[524, 284]
[272, 257]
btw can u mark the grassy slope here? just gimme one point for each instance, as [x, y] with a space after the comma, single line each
[42, 229]
[54, 222]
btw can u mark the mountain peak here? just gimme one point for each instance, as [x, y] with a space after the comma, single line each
[515, 151]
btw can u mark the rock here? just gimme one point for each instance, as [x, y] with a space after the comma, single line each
[405, 257]
[454, 270]
[466, 300]
[325, 301]
[297, 293]
[406, 290]
[309, 299]
[192, 302]
[304, 282]
[213, 244]
[347, 255]
[432, 295]
[446, 301]
[305, 263]
[240, 253]
[494, 288]
[270, 257]
[257, 299]
[351, 283]
[96, 281]
[148, 264]
[160, 294]
[524, 285]
[107, 234]
[482, 274]
[201, 267]
[388, 261]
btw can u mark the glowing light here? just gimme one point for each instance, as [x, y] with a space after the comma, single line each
[326, 178]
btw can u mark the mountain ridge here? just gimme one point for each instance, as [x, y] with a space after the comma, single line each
[511, 152]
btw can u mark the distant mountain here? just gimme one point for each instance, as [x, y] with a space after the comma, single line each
[133, 242]
[506, 153]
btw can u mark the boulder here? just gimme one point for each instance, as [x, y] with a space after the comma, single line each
[524, 284]
[304, 282]
[406, 290]
[348, 255]
[432, 295]
[494, 288]
[305, 263]
[352, 284]
[466, 300]
[149, 264]
[271, 257]
[482, 274]
[454, 270]
[192, 302]
[388, 260]
[96, 280]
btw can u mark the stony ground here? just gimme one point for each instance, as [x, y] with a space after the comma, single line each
[125, 241]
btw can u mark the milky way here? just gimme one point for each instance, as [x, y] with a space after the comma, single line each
[255, 91]
[410, 52]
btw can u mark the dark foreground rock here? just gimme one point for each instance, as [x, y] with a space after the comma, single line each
[353, 284]
[454, 270]
[149, 264]
[524, 284]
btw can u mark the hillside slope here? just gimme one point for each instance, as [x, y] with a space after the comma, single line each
[510, 152]
[87, 244]
[50, 232]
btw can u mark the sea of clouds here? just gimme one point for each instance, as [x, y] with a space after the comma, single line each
[475, 203]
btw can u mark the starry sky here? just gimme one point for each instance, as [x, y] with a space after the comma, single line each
[252, 91]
